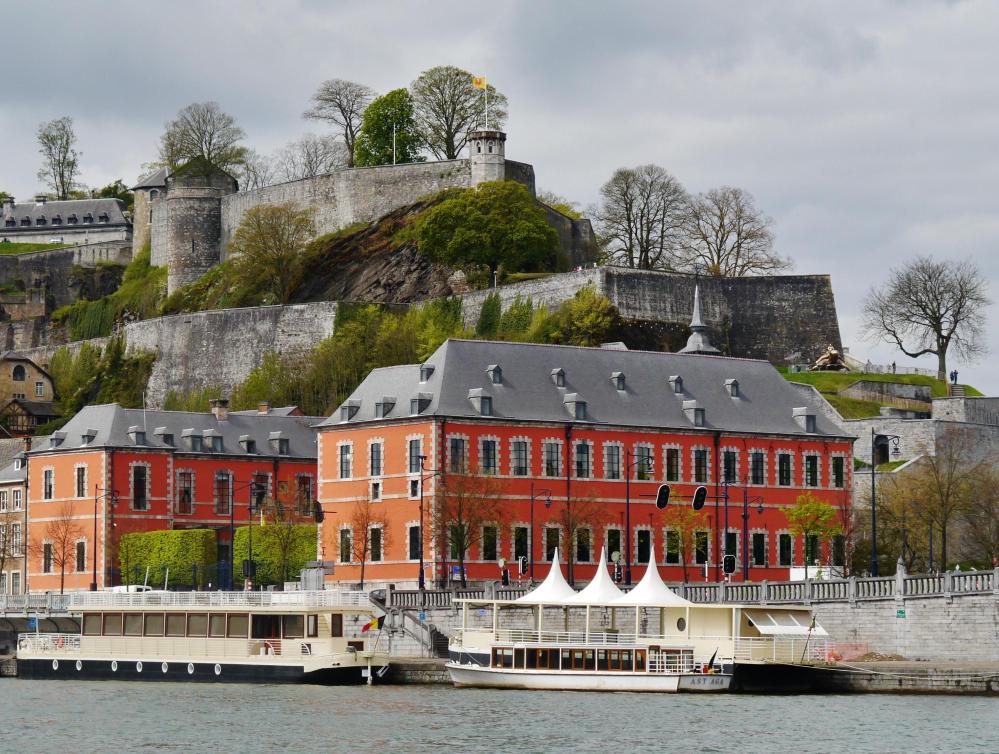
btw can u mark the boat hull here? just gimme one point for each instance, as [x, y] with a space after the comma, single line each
[506, 678]
[83, 669]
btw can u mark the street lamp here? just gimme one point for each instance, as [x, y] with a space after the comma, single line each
[630, 462]
[878, 441]
[113, 494]
[548, 504]
[746, 500]
[423, 477]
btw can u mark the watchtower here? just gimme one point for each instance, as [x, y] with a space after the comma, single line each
[487, 154]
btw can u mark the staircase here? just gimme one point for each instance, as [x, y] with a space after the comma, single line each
[409, 635]
[955, 391]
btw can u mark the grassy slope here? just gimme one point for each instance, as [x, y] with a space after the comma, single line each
[830, 383]
[24, 248]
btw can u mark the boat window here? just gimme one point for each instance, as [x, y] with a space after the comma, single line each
[602, 662]
[518, 658]
[175, 624]
[532, 659]
[216, 625]
[153, 624]
[197, 624]
[133, 624]
[502, 657]
[266, 627]
[313, 624]
[566, 660]
[239, 626]
[292, 626]
[640, 660]
[615, 659]
[92, 624]
[336, 625]
[626, 659]
[681, 625]
[112, 624]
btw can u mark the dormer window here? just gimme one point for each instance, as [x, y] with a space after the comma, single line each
[88, 219]
[11, 223]
[216, 444]
[483, 403]
[348, 410]
[425, 371]
[576, 405]
[732, 386]
[56, 439]
[495, 373]
[805, 419]
[248, 444]
[195, 443]
[618, 379]
[88, 436]
[384, 407]
[73, 219]
[25, 221]
[676, 382]
[163, 436]
[154, 194]
[137, 435]
[103, 217]
[419, 402]
[57, 220]
[279, 443]
[39, 221]
[558, 377]
[18, 463]
[694, 413]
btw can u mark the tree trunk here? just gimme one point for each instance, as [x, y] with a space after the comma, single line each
[62, 578]
[942, 365]
[362, 572]
[943, 544]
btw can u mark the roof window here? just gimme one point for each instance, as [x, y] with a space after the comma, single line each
[805, 419]
[732, 386]
[576, 405]
[57, 220]
[384, 407]
[88, 436]
[88, 218]
[25, 221]
[137, 435]
[558, 377]
[56, 439]
[419, 402]
[618, 379]
[483, 403]
[248, 444]
[39, 221]
[103, 218]
[195, 442]
[425, 371]
[348, 410]
[73, 219]
[279, 443]
[695, 414]
[495, 373]
[676, 382]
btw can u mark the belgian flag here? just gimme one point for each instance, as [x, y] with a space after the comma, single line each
[374, 623]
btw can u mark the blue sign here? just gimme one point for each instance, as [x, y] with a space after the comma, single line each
[423, 615]
[32, 624]
[456, 571]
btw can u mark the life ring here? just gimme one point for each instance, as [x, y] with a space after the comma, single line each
[218, 669]
[138, 666]
[164, 667]
[55, 664]
[114, 666]
[190, 668]
[79, 666]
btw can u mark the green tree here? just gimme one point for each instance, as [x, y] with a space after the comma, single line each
[448, 107]
[60, 160]
[117, 190]
[268, 247]
[496, 223]
[684, 522]
[388, 121]
[585, 320]
[203, 130]
[811, 516]
[559, 203]
[489, 317]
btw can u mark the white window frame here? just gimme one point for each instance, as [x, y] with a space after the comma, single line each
[350, 459]
[498, 444]
[591, 464]
[679, 462]
[149, 482]
[527, 441]
[620, 460]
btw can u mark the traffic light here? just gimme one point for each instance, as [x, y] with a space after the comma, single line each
[317, 512]
[249, 569]
[662, 497]
[506, 577]
[728, 564]
[700, 497]
[522, 564]
[258, 490]
[617, 572]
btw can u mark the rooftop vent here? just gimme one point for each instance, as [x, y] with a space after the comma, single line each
[616, 345]
[676, 382]
[40, 199]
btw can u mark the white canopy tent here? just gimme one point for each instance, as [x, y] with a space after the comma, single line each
[554, 590]
[651, 591]
[600, 591]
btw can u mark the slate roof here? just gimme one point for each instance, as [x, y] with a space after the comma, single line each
[15, 356]
[11, 449]
[113, 208]
[528, 392]
[41, 409]
[155, 179]
[110, 423]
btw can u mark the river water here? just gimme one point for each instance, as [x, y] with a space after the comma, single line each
[69, 716]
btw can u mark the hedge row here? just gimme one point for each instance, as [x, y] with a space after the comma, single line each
[180, 550]
[299, 541]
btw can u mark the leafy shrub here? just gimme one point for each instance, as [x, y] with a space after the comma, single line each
[180, 550]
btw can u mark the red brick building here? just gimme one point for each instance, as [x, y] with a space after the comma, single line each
[564, 423]
[111, 471]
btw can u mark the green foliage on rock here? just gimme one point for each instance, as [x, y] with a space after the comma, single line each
[142, 290]
[489, 316]
[280, 550]
[374, 142]
[494, 224]
[180, 550]
[117, 190]
[195, 400]
[96, 376]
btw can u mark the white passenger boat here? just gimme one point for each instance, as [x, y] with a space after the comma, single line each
[262, 637]
[665, 643]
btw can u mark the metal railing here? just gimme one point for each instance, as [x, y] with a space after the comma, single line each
[671, 663]
[290, 600]
[518, 636]
[159, 646]
[782, 649]
[49, 643]
[34, 603]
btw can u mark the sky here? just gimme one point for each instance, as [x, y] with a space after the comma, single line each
[866, 130]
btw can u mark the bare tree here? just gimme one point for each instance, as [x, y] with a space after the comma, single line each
[641, 217]
[927, 307]
[560, 203]
[981, 516]
[685, 522]
[10, 546]
[287, 529]
[257, 171]
[203, 130]
[448, 106]
[341, 103]
[728, 236]
[310, 156]
[56, 144]
[268, 244]
[464, 505]
[365, 517]
[577, 516]
[60, 535]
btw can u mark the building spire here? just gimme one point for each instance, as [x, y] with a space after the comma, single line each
[699, 340]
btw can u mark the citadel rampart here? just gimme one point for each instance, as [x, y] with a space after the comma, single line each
[783, 319]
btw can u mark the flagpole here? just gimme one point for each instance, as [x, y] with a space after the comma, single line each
[485, 90]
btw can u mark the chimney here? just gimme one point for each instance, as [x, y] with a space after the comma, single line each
[40, 199]
[26, 443]
[9, 201]
[264, 407]
[220, 408]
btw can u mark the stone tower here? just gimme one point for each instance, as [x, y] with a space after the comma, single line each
[194, 194]
[487, 154]
[148, 192]
[699, 340]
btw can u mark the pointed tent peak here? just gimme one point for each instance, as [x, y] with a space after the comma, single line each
[601, 590]
[554, 590]
[651, 591]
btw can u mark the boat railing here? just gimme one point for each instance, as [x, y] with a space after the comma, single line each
[671, 663]
[783, 649]
[291, 600]
[55, 644]
[518, 636]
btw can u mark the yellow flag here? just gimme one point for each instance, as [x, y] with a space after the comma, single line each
[479, 82]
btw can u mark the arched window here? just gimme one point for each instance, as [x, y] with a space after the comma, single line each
[19, 373]
[154, 194]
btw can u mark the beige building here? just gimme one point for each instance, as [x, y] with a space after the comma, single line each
[14, 526]
[26, 394]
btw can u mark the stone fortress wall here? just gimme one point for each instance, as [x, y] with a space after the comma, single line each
[784, 319]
